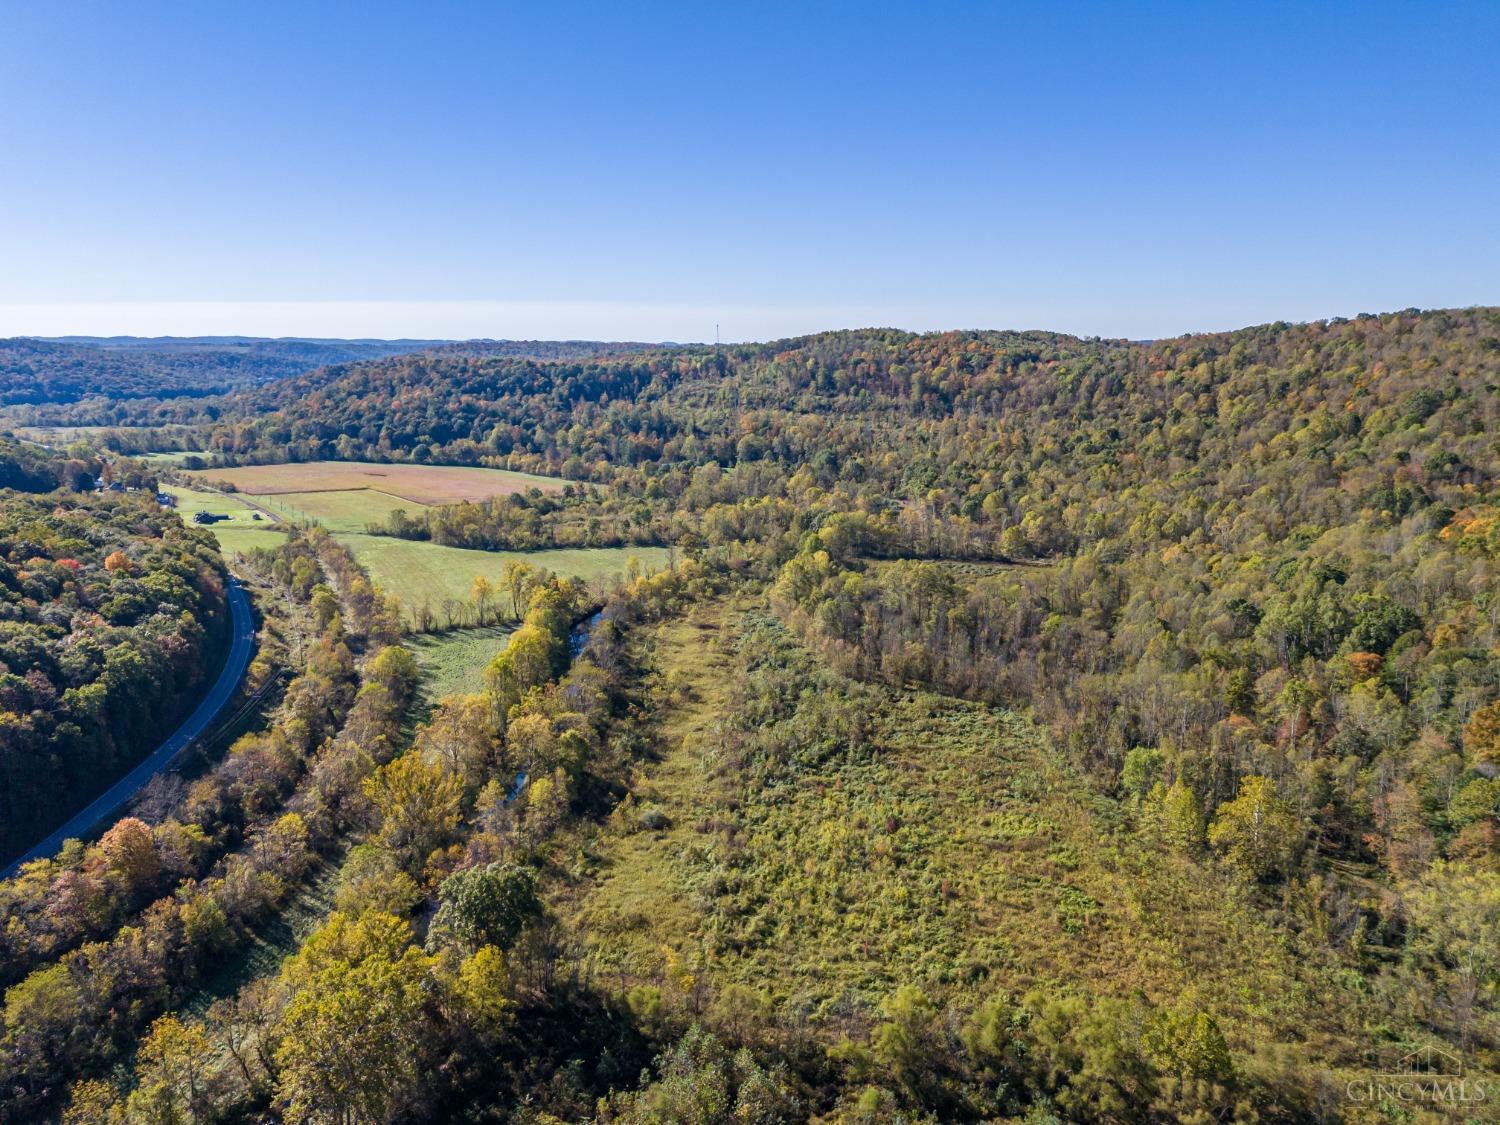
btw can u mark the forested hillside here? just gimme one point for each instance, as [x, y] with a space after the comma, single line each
[1245, 578]
[1029, 728]
[973, 412]
[112, 615]
[35, 371]
[31, 468]
[127, 379]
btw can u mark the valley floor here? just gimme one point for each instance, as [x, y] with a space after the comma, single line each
[419, 573]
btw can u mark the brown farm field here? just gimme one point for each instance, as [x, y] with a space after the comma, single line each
[419, 484]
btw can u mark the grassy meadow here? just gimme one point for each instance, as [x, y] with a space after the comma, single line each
[241, 531]
[240, 510]
[245, 527]
[953, 850]
[337, 510]
[455, 662]
[416, 572]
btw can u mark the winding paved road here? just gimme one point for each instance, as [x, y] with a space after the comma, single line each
[110, 801]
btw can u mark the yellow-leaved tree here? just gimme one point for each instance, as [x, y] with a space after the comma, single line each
[353, 1036]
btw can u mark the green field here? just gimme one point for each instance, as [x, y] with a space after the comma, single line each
[351, 509]
[419, 572]
[239, 540]
[455, 662]
[413, 571]
[241, 532]
[242, 512]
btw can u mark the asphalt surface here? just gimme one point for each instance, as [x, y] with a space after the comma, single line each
[113, 798]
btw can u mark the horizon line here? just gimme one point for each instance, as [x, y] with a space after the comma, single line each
[459, 321]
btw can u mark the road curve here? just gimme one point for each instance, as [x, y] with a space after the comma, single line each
[110, 801]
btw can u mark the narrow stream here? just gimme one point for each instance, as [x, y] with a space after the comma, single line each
[578, 639]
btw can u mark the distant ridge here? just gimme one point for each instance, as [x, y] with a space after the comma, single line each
[155, 342]
[35, 370]
[56, 371]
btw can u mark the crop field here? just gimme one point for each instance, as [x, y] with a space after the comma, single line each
[419, 572]
[421, 484]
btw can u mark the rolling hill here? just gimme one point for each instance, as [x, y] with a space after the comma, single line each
[1029, 728]
[34, 371]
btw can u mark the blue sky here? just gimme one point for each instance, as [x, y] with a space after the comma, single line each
[648, 170]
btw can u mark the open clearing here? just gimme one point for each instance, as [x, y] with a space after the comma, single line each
[957, 851]
[343, 510]
[455, 662]
[420, 484]
[424, 572]
[240, 540]
[418, 572]
[241, 531]
[240, 512]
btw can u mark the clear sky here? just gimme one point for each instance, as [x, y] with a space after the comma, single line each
[645, 171]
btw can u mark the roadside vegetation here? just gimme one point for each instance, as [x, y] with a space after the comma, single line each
[112, 618]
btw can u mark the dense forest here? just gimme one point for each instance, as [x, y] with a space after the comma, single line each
[120, 380]
[31, 468]
[35, 371]
[112, 616]
[1030, 728]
